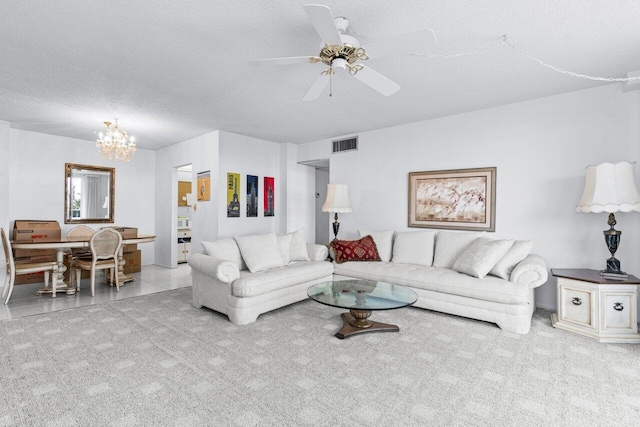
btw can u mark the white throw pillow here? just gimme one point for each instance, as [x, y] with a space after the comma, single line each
[481, 255]
[449, 247]
[299, 246]
[519, 251]
[414, 247]
[284, 243]
[383, 240]
[226, 249]
[260, 252]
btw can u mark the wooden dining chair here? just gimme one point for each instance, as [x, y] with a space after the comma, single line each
[105, 247]
[81, 232]
[14, 270]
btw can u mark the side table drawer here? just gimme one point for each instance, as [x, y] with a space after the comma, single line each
[618, 310]
[577, 305]
[184, 233]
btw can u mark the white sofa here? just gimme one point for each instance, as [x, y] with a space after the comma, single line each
[246, 276]
[459, 274]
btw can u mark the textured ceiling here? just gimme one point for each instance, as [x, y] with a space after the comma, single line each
[172, 70]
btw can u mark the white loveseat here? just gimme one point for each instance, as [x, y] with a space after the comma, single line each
[463, 273]
[246, 276]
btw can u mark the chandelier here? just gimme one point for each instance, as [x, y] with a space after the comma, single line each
[115, 145]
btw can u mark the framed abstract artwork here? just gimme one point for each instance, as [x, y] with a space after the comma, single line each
[460, 199]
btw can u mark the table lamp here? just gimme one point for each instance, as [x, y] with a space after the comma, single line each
[337, 201]
[610, 187]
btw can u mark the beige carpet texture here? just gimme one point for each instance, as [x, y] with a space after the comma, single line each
[156, 360]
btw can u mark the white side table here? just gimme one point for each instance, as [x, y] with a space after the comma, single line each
[601, 309]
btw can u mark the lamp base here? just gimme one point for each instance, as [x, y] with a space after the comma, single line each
[613, 267]
[612, 238]
[336, 225]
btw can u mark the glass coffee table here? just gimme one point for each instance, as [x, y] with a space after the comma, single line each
[362, 297]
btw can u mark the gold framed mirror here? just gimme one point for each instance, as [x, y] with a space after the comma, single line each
[89, 194]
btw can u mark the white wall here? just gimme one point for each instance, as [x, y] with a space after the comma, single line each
[202, 153]
[5, 183]
[540, 149]
[248, 156]
[5, 176]
[37, 165]
[184, 175]
[282, 211]
[301, 189]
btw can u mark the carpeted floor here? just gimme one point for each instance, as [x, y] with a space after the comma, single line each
[156, 360]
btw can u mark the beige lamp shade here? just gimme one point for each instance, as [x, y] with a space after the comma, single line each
[337, 199]
[610, 187]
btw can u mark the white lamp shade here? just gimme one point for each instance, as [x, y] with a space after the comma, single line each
[610, 187]
[337, 199]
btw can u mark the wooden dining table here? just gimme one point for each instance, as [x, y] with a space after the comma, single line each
[62, 244]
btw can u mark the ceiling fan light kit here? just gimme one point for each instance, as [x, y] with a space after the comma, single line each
[343, 51]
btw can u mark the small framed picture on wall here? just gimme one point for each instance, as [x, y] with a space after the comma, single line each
[233, 200]
[252, 196]
[269, 196]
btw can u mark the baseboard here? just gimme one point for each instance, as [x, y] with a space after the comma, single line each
[545, 307]
[161, 265]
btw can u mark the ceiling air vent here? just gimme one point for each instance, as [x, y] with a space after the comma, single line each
[345, 144]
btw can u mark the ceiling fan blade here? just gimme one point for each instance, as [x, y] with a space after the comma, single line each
[322, 20]
[377, 81]
[282, 61]
[419, 41]
[317, 88]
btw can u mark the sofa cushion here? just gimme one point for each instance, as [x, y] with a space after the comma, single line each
[225, 249]
[481, 255]
[252, 284]
[517, 253]
[284, 244]
[299, 246]
[384, 242]
[260, 251]
[443, 280]
[450, 245]
[355, 250]
[414, 247]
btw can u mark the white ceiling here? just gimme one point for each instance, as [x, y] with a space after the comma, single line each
[172, 70]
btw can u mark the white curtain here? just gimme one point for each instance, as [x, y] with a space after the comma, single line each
[92, 197]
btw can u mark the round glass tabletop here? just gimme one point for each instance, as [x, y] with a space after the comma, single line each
[356, 294]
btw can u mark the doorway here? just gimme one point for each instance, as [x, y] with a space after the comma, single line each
[322, 218]
[185, 198]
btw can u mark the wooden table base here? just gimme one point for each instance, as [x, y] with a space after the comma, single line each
[70, 289]
[67, 289]
[356, 322]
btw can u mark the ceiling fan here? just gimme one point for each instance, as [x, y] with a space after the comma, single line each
[342, 51]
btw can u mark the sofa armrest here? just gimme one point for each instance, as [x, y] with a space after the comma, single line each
[317, 252]
[531, 271]
[223, 270]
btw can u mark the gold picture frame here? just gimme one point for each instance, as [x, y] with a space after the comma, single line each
[98, 203]
[457, 199]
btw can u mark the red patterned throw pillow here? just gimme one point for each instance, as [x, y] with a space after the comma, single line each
[355, 250]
